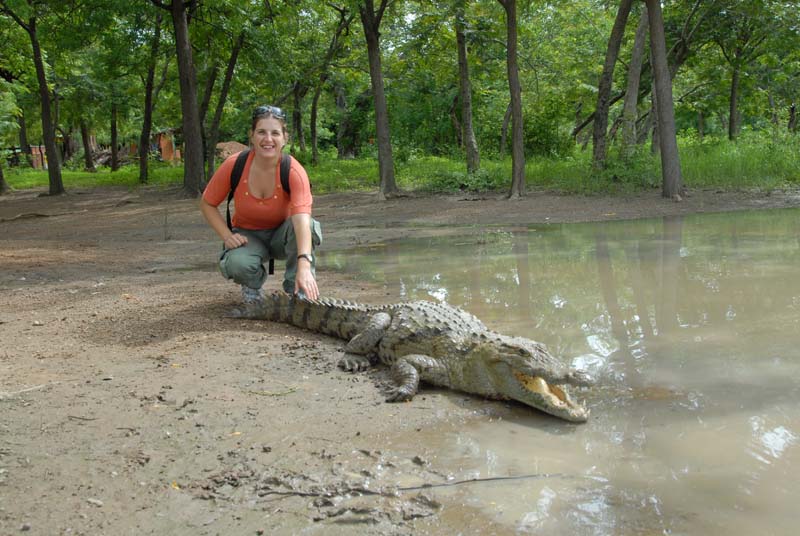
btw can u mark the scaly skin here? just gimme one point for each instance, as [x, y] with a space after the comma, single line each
[435, 343]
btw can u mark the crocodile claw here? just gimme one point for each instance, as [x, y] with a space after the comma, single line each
[354, 363]
[398, 394]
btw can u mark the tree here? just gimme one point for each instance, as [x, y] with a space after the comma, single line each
[213, 131]
[630, 105]
[190, 111]
[371, 21]
[671, 178]
[28, 21]
[604, 86]
[517, 142]
[465, 92]
[149, 101]
[741, 33]
[8, 124]
[88, 161]
[334, 47]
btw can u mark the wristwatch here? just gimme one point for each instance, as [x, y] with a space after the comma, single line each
[306, 256]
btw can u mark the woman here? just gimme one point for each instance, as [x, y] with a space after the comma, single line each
[268, 222]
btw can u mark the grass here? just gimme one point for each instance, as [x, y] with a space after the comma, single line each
[128, 176]
[755, 161]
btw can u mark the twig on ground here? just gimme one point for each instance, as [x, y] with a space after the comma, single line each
[28, 215]
[391, 492]
[11, 394]
[79, 418]
[270, 393]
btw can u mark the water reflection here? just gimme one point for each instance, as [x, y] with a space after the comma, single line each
[692, 326]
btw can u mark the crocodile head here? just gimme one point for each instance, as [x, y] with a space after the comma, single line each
[523, 370]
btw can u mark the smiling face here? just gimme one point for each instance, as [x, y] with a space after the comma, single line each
[268, 137]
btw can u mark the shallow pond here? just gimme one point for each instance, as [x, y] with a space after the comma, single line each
[692, 328]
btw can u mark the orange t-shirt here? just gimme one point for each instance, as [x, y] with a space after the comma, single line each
[260, 213]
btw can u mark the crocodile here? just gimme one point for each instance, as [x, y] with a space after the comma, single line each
[435, 343]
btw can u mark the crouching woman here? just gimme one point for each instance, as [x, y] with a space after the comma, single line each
[268, 222]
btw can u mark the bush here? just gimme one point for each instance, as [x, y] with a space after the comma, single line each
[545, 130]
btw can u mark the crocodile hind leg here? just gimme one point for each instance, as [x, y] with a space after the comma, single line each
[407, 371]
[365, 344]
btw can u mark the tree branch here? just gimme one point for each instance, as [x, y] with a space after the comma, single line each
[7, 10]
[159, 3]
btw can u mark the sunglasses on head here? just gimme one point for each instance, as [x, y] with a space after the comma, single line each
[269, 110]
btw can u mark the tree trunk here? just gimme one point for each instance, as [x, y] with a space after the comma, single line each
[455, 121]
[371, 21]
[213, 131]
[313, 121]
[504, 130]
[465, 93]
[733, 115]
[114, 139]
[631, 102]
[208, 90]
[48, 129]
[343, 148]
[517, 143]
[147, 120]
[190, 124]
[655, 146]
[4, 188]
[599, 138]
[87, 148]
[333, 48]
[23, 139]
[671, 179]
[205, 103]
[69, 146]
[773, 108]
[298, 93]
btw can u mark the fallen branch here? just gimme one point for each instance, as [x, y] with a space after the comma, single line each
[29, 215]
[11, 394]
[480, 480]
[392, 492]
[270, 393]
[79, 418]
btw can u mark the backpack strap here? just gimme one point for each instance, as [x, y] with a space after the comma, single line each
[286, 166]
[236, 175]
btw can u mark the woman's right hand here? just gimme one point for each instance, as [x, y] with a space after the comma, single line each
[235, 240]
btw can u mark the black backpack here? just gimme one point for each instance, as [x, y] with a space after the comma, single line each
[236, 175]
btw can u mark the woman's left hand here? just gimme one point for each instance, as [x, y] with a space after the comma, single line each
[305, 282]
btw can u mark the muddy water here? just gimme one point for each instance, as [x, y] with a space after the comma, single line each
[692, 327]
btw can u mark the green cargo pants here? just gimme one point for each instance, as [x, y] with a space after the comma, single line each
[245, 264]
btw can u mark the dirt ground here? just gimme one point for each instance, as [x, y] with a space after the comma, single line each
[130, 405]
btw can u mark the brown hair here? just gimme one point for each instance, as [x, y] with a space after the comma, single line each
[267, 111]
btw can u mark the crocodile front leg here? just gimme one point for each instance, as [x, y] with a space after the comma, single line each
[365, 344]
[407, 372]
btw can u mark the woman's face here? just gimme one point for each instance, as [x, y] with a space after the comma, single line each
[268, 137]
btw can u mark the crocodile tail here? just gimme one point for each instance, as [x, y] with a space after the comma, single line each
[338, 318]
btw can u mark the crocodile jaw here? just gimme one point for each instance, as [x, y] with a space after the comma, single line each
[550, 398]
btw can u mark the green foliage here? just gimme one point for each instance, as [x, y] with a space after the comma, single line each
[97, 53]
[162, 175]
[547, 128]
[756, 160]
[333, 175]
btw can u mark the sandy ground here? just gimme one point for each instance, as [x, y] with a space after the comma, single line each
[130, 405]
